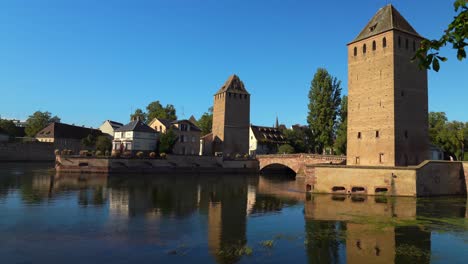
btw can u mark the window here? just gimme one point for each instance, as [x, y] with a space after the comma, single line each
[406, 133]
[377, 134]
[183, 127]
[181, 139]
[355, 51]
[359, 135]
[193, 139]
[374, 46]
[160, 128]
[384, 42]
[381, 157]
[414, 45]
[399, 42]
[402, 93]
[357, 160]
[364, 49]
[406, 43]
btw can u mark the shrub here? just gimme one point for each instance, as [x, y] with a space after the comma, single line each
[140, 154]
[83, 153]
[238, 156]
[57, 152]
[127, 154]
[98, 153]
[115, 154]
[246, 156]
[285, 149]
[163, 155]
[69, 152]
[106, 153]
[152, 155]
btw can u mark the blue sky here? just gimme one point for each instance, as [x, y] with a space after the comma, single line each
[88, 61]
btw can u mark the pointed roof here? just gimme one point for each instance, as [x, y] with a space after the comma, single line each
[233, 84]
[387, 18]
[136, 125]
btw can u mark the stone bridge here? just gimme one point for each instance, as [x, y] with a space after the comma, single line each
[298, 162]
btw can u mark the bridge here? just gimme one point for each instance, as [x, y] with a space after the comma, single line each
[297, 162]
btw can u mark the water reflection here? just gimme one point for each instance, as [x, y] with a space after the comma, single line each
[213, 218]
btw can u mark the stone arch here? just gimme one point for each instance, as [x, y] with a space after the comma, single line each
[279, 166]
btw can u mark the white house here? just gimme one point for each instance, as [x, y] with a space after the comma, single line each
[109, 127]
[265, 140]
[134, 136]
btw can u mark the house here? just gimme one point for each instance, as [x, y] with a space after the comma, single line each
[109, 127]
[65, 136]
[134, 136]
[4, 137]
[265, 140]
[188, 134]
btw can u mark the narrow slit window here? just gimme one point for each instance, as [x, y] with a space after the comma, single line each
[381, 157]
[399, 42]
[355, 51]
[359, 135]
[377, 134]
[374, 46]
[384, 42]
[364, 48]
[406, 43]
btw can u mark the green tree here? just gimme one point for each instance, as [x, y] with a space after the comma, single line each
[156, 110]
[457, 138]
[285, 149]
[341, 132]
[138, 114]
[167, 141]
[89, 141]
[205, 123]
[103, 143]
[324, 102]
[437, 128]
[455, 34]
[8, 126]
[299, 139]
[37, 121]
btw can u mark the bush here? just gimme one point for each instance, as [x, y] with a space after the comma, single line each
[69, 152]
[140, 154]
[152, 155]
[163, 155]
[285, 149]
[57, 152]
[127, 154]
[238, 156]
[106, 153]
[83, 153]
[115, 154]
[98, 153]
[246, 156]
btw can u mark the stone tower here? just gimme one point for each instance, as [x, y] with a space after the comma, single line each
[231, 118]
[388, 102]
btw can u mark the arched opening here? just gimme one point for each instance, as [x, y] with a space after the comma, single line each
[355, 51]
[384, 42]
[364, 49]
[374, 46]
[278, 169]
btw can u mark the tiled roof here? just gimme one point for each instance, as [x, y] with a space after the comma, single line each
[136, 126]
[233, 84]
[387, 18]
[165, 122]
[269, 134]
[61, 130]
[115, 124]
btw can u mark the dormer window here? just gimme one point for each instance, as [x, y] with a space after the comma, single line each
[372, 28]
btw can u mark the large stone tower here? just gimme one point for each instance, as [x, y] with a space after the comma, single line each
[231, 118]
[388, 103]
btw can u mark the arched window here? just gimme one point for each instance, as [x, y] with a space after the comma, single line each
[406, 44]
[399, 42]
[364, 48]
[373, 45]
[384, 42]
[355, 51]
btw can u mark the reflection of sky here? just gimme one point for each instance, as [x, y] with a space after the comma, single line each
[449, 247]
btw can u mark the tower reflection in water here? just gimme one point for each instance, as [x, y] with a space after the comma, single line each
[352, 229]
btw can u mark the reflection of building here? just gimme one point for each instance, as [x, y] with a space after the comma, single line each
[265, 140]
[118, 202]
[231, 120]
[388, 101]
[3, 135]
[188, 135]
[134, 136]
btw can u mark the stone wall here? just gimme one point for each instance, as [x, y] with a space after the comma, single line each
[298, 162]
[28, 151]
[430, 178]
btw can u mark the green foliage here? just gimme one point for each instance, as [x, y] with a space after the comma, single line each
[455, 34]
[89, 141]
[167, 141]
[299, 139]
[8, 126]
[341, 133]
[452, 136]
[324, 102]
[156, 110]
[205, 122]
[103, 143]
[285, 149]
[37, 121]
[138, 114]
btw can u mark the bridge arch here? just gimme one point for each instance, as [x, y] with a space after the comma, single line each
[274, 168]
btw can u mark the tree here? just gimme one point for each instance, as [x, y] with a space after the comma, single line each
[89, 141]
[139, 114]
[455, 34]
[103, 143]
[437, 127]
[156, 110]
[205, 123]
[167, 141]
[285, 149]
[8, 126]
[324, 101]
[298, 139]
[341, 133]
[37, 121]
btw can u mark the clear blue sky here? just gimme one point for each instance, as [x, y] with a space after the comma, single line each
[88, 61]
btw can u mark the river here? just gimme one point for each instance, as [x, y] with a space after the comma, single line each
[49, 218]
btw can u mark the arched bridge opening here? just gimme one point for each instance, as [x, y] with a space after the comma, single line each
[278, 169]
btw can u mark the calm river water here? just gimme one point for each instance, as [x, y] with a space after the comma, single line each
[48, 218]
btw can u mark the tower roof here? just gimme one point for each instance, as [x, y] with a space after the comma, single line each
[233, 84]
[387, 18]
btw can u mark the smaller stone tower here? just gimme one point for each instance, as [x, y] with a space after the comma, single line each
[231, 118]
